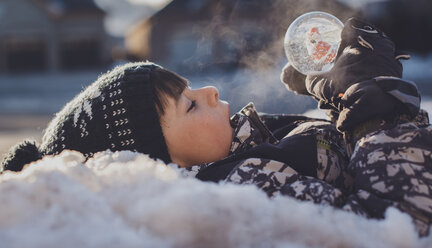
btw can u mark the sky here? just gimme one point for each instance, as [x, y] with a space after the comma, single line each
[123, 14]
[352, 3]
[152, 3]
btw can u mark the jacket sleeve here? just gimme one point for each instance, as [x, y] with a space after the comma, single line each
[394, 168]
[275, 178]
[331, 151]
[327, 185]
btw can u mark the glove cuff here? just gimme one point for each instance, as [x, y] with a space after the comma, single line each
[405, 91]
[388, 122]
[381, 98]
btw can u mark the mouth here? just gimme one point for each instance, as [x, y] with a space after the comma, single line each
[232, 123]
[227, 111]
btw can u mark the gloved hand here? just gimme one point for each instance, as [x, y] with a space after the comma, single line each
[364, 82]
[294, 80]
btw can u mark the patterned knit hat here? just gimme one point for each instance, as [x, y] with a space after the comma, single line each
[116, 112]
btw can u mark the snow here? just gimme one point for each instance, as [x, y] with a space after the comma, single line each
[417, 68]
[126, 199]
[426, 104]
[316, 113]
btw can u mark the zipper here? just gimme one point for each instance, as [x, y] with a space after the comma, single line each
[332, 147]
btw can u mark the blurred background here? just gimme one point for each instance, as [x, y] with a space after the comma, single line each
[52, 49]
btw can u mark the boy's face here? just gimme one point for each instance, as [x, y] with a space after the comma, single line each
[197, 127]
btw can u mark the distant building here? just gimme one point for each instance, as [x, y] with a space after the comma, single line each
[51, 35]
[188, 35]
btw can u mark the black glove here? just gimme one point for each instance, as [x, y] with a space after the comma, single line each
[364, 53]
[364, 82]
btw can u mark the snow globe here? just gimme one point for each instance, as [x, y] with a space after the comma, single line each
[311, 42]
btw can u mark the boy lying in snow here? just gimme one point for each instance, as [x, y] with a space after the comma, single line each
[376, 155]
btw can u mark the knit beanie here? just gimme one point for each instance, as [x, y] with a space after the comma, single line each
[116, 112]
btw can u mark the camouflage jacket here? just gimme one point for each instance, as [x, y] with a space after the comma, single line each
[308, 159]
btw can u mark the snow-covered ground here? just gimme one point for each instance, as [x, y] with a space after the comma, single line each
[126, 199]
[41, 93]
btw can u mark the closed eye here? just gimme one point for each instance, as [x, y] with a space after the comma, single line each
[193, 103]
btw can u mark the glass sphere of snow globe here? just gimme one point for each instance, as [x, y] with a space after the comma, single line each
[311, 42]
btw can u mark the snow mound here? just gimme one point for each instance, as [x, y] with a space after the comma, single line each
[126, 199]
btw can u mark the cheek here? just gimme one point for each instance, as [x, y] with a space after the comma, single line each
[218, 131]
[204, 132]
[202, 139]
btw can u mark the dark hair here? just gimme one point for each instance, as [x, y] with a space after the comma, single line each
[167, 84]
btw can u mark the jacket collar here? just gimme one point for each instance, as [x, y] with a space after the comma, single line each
[249, 130]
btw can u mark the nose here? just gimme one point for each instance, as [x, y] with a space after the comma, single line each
[211, 94]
